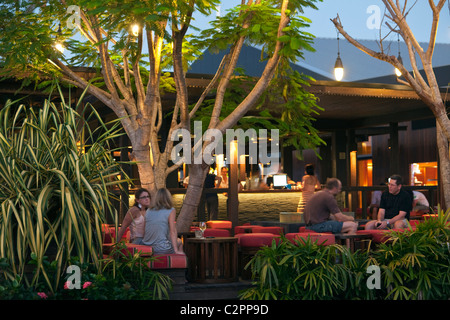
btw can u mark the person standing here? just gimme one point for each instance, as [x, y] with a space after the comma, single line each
[309, 185]
[211, 198]
[322, 213]
[395, 206]
[160, 229]
[134, 218]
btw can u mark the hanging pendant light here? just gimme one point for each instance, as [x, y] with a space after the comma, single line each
[398, 73]
[59, 44]
[338, 66]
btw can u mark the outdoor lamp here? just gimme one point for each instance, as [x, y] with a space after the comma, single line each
[338, 66]
[338, 69]
[399, 58]
[397, 71]
[135, 30]
[59, 44]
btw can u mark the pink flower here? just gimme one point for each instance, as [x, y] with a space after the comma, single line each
[86, 284]
[42, 295]
[66, 285]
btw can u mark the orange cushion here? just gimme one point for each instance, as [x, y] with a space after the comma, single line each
[273, 230]
[255, 239]
[216, 233]
[139, 248]
[321, 238]
[169, 261]
[378, 236]
[219, 224]
[244, 228]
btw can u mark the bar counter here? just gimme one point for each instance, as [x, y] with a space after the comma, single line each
[254, 205]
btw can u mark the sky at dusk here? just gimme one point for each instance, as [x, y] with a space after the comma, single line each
[359, 18]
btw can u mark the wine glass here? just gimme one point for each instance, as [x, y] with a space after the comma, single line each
[202, 226]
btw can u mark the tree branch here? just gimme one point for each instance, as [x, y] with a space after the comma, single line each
[263, 81]
[211, 85]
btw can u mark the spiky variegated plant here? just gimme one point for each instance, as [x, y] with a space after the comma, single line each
[56, 176]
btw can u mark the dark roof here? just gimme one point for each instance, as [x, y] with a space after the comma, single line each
[249, 60]
[359, 67]
[442, 76]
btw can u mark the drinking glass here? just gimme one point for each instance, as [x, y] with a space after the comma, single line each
[202, 226]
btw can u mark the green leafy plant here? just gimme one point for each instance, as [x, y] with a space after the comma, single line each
[56, 178]
[293, 271]
[415, 264]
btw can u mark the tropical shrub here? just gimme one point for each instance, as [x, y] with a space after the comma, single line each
[125, 277]
[415, 264]
[293, 271]
[56, 175]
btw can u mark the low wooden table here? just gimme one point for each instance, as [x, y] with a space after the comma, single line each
[212, 260]
[350, 240]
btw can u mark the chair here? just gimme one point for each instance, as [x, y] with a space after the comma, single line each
[321, 238]
[109, 234]
[430, 216]
[249, 244]
[273, 230]
[216, 233]
[169, 261]
[245, 228]
[219, 224]
[378, 236]
[303, 229]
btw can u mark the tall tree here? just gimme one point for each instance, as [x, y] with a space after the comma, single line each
[427, 88]
[111, 36]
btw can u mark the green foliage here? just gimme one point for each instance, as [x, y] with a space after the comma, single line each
[414, 264]
[295, 271]
[297, 107]
[124, 277]
[285, 105]
[258, 23]
[56, 176]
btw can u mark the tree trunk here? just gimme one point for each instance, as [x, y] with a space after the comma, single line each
[444, 167]
[197, 175]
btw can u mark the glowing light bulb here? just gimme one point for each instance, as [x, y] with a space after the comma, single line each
[135, 29]
[59, 46]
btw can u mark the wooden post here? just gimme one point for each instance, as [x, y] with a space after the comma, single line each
[394, 150]
[233, 201]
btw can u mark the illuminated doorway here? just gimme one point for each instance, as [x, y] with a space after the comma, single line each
[423, 174]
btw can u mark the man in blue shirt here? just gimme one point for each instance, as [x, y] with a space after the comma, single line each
[395, 206]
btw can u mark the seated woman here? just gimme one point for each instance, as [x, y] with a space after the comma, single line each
[134, 219]
[160, 230]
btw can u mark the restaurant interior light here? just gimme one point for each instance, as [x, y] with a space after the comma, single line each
[338, 66]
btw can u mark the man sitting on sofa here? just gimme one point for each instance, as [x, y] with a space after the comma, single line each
[322, 213]
[395, 205]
